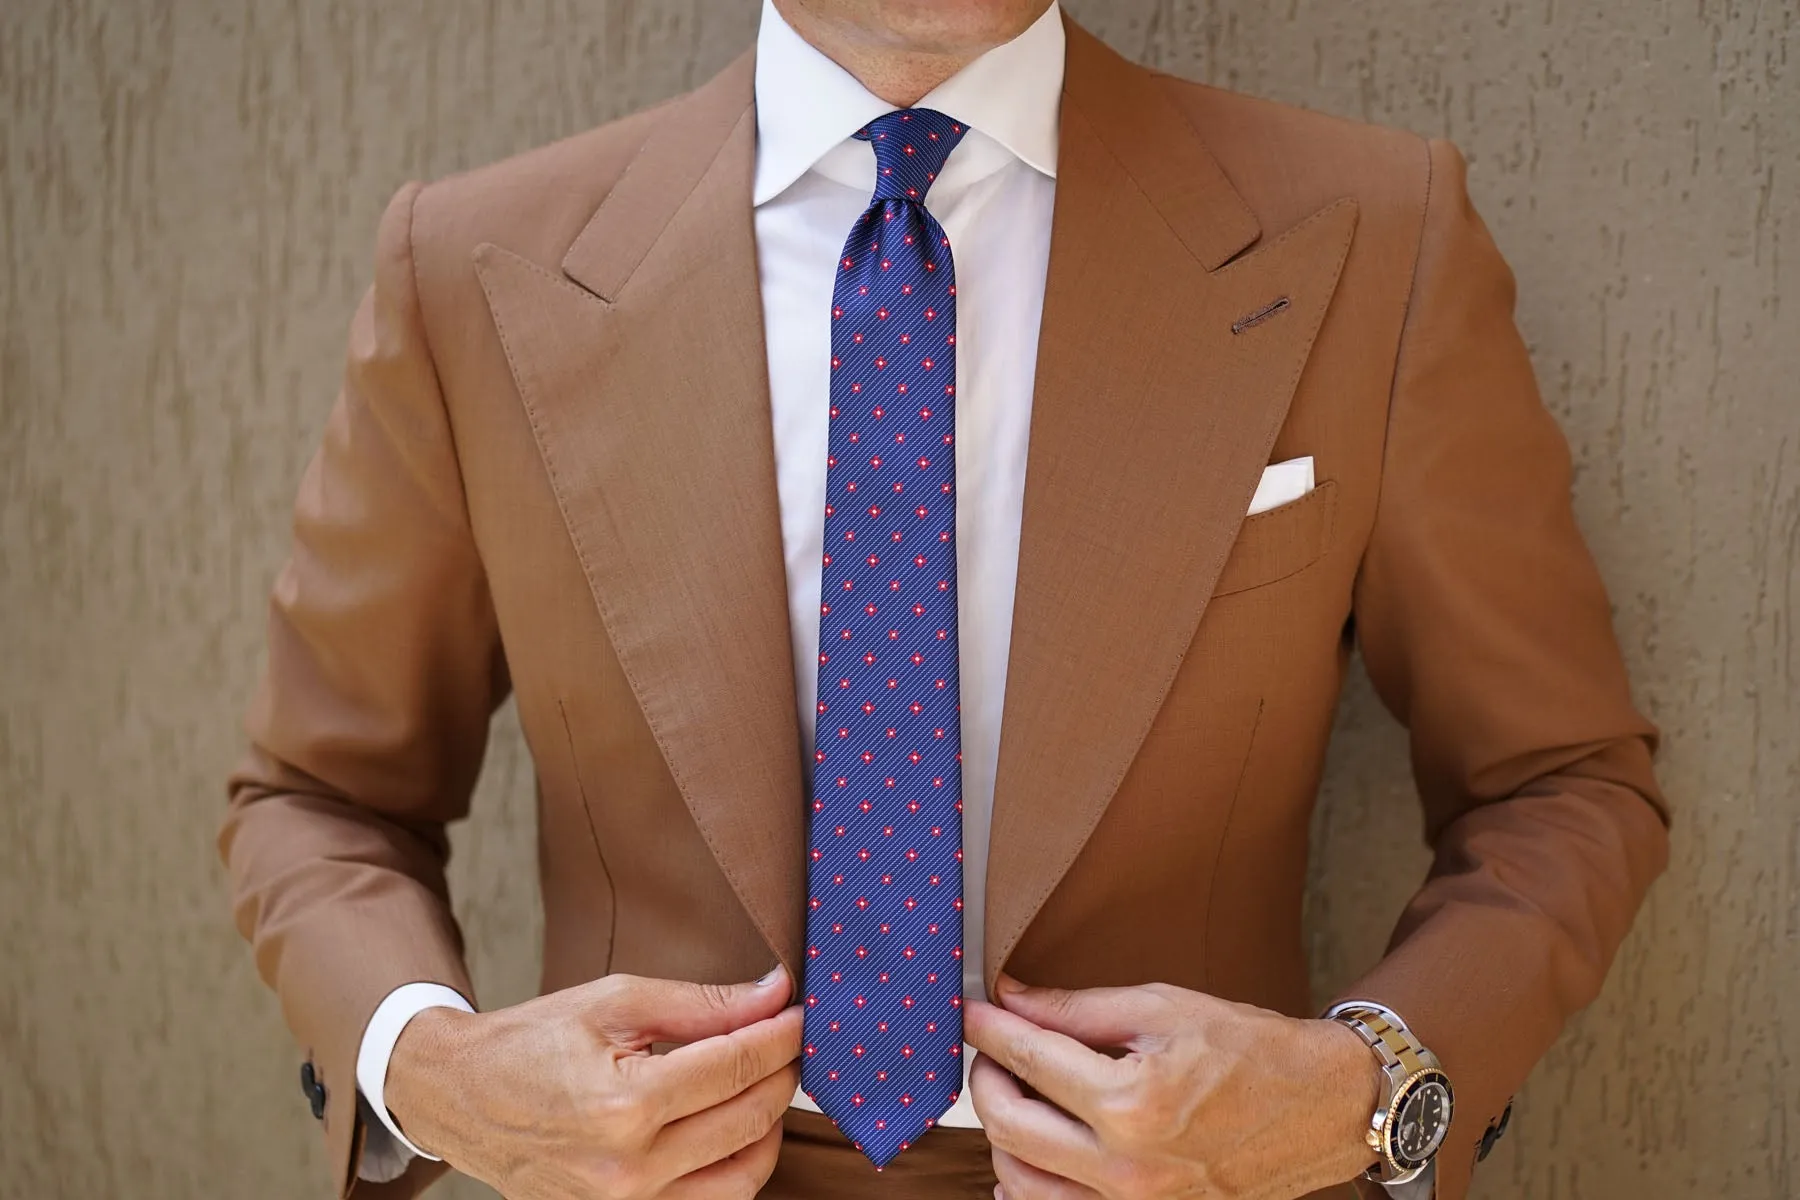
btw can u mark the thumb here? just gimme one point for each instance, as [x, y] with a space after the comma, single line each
[635, 1011]
[1108, 1016]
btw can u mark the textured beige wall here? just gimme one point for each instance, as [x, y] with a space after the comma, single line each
[188, 190]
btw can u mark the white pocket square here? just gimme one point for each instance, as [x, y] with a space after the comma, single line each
[1282, 483]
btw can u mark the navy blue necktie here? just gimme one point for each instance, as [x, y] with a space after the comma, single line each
[883, 977]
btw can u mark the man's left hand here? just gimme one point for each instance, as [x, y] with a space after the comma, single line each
[1212, 1098]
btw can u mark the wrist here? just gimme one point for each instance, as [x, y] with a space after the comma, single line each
[430, 1039]
[1350, 1088]
[1415, 1101]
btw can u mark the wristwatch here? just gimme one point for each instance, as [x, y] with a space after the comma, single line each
[1412, 1115]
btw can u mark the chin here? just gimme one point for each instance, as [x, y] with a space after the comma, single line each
[938, 26]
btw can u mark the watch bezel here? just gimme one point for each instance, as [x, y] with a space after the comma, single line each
[1393, 1159]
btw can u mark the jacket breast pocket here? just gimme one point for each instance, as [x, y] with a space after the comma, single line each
[1281, 542]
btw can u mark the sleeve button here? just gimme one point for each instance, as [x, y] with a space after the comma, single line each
[1495, 1132]
[313, 1090]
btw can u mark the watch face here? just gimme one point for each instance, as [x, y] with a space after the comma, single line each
[1421, 1121]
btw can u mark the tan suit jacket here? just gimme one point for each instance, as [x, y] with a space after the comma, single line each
[550, 473]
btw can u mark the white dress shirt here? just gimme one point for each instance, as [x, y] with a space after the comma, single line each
[994, 199]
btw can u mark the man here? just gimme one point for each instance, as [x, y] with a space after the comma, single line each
[1094, 415]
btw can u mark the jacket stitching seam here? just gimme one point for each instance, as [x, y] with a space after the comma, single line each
[1401, 345]
[1212, 887]
[612, 890]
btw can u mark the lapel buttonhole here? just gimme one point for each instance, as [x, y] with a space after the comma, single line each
[1260, 315]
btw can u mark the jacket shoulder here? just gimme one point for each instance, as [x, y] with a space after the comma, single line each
[1288, 162]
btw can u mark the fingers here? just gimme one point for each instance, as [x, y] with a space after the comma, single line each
[734, 1178]
[1019, 1180]
[697, 1142]
[1057, 1065]
[1115, 1016]
[711, 1071]
[634, 1011]
[1030, 1129]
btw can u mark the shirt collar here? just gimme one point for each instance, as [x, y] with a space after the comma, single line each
[806, 104]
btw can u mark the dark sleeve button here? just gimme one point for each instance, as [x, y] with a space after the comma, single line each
[1494, 1133]
[313, 1090]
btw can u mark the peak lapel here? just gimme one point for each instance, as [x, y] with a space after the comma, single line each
[1151, 423]
[647, 389]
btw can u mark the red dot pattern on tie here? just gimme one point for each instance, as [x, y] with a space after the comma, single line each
[883, 978]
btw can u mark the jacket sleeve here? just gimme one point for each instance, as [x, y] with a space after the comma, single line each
[368, 726]
[1486, 630]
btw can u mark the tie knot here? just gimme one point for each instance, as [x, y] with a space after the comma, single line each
[911, 145]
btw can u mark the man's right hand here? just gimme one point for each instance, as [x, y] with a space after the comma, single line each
[560, 1097]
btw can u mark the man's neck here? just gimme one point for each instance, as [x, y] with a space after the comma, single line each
[898, 74]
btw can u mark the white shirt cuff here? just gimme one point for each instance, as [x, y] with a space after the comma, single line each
[391, 1016]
